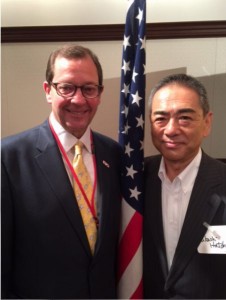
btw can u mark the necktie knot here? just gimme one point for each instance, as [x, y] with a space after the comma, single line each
[78, 148]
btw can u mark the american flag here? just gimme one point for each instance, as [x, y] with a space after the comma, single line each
[131, 137]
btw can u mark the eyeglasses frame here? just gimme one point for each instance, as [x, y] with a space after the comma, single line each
[100, 89]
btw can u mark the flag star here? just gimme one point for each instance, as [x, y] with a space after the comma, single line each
[141, 145]
[126, 89]
[140, 15]
[136, 98]
[143, 42]
[125, 66]
[126, 42]
[134, 193]
[134, 75]
[126, 128]
[125, 111]
[140, 121]
[128, 149]
[131, 172]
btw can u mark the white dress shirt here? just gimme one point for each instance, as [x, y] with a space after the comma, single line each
[175, 200]
[68, 142]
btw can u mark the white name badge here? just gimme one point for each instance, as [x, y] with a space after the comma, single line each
[214, 240]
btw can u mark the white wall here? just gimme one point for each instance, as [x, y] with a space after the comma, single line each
[23, 64]
[81, 12]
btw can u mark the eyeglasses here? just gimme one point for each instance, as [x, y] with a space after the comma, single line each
[68, 90]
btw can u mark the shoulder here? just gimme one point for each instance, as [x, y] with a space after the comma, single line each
[212, 163]
[212, 170]
[151, 166]
[22, 139]
[152, 161]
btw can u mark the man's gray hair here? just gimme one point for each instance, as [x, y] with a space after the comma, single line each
[186, 81]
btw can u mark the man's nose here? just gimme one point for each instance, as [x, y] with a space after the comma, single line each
[78, 96]
[172, 126]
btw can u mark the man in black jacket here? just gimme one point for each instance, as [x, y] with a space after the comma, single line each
[185, 193]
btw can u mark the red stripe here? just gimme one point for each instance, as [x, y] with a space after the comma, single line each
[130, 242]
[138, 294]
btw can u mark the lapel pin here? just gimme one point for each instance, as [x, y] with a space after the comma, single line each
[106, 164]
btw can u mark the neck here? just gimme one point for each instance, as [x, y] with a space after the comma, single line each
[173, 169]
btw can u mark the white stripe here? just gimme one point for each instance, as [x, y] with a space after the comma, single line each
[127, 214]
[132, 276]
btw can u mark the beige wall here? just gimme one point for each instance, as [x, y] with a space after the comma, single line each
[23, 64]
[81, 12]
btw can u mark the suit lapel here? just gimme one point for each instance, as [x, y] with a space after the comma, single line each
[202, 208]
[51, 164]
[103, 180]
[157, 226]
[108, 207]
[154, 213]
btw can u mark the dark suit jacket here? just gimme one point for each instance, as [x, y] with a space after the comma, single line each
[45, 251]
[192, 275]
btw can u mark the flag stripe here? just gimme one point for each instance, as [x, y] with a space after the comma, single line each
[126, 217]
[132, 285]
[139, 290]
[130, 241]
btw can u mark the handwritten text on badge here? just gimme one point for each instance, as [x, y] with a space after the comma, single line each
[214, 240]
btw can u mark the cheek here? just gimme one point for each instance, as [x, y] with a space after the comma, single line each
[194, 137]
[94, 105]
[155, 131]
[50, 97]
[58, 105]
[97, 102]
[155, 135]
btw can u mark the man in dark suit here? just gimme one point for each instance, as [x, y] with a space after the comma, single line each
[185, 194]
[45, 250]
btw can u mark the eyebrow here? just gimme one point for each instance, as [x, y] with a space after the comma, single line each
[179, 111]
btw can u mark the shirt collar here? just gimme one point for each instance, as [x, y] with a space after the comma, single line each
[67, 139]
[187, 176]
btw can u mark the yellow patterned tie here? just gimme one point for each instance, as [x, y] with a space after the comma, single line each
[84, 178]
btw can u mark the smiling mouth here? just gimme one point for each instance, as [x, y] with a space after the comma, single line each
[77, 113]
[170, 144]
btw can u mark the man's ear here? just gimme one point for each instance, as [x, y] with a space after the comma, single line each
[208, 123]
[47, 89]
